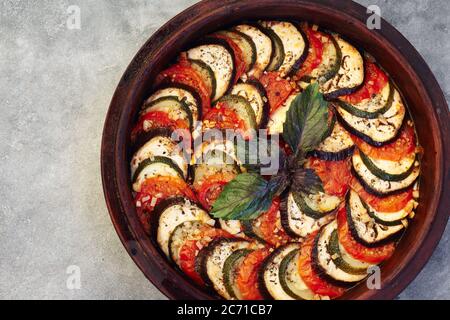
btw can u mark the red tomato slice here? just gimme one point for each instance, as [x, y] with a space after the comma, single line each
[211, 188]
[357, 250]
[402, 147]
[374, 81]
[183, 73]
[270, 226]
[335, 175]
[190, 249]
[157, 119]
[156, 189]
[247, 274]
[309, 275]
[238, 55]
[392, 203]
[277, 89]
[315, 54]
[222, 117]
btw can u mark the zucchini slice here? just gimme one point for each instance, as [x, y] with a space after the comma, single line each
[317, 205]
[155, 167]
[278, 117]
[174, 108]
[160, 144]
[290, 279]
[378, 131]
[252, 231]
[377, 186]
[351, 261]
[295, 46]
[219, 57]
[323, 258]
[253, 91]
[331, 60]
[343, 262]
[277, 56]
[183, 93]
[171, 213]
[242, 108]
[391, 218]
[363, 227]
[213, 262]
[372, 107]
[390, 170]
[206, 73]
[179, 236]
[263, 45]
[270, 275]
[351, 71]
[246, 44]
[297, 223]
[229, 271]
[336, 147]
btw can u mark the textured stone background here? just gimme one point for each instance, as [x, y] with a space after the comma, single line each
[55, 87]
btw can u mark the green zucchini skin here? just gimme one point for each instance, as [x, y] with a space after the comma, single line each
[230, 266]
[249, 231]
[240, 105]
[183, 105]
[233, 33]
[354, 233]
[322, 273]
[366, 138]
[266, 107]
[165, 160]
[333, 249]
[202, 68]
[307, 210]
[365, 114]
[145, 137]
[190, 89]
[375, 192]
[378, 220]
[382, 174]
[335, 69]
[283, 266]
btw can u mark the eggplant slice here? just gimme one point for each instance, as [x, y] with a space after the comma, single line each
[336, 147]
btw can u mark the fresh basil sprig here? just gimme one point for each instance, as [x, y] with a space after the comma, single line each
[249, 194]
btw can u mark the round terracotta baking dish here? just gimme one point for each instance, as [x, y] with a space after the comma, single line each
[406, 67]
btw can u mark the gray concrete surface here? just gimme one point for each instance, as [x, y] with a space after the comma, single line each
[55, 87]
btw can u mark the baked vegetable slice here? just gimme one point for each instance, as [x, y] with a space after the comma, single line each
[159, 143]
[336, 147]
[230, 267]
[219, 57]
[205, 72]
[378, 186]
[363, 226]
[270, 276]
[379, 131]
[290, 279]
[213, 261]
[171, 213]
[179, 236]
[242, 107]
[155, 167]
[390, 170]
[323, 258]
[263, 46]
[295, 46]
[183, 93]
[172, 106]
[301, 223]
[253, 91]
[350, 75]
[374, 106]
[246, 45]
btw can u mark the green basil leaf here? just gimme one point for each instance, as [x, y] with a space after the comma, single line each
[306, 121]
[244, 198]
